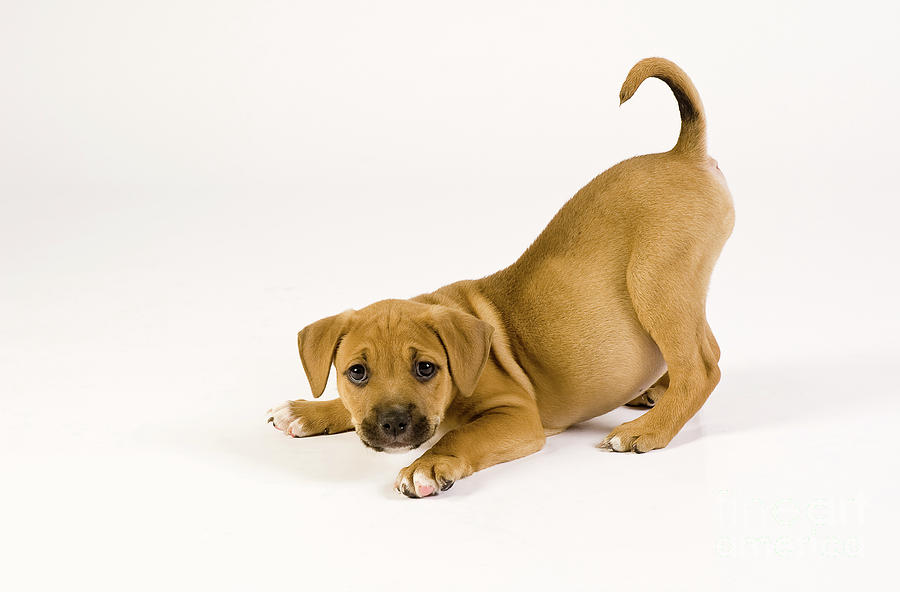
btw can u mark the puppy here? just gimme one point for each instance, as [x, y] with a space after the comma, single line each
[605, 308]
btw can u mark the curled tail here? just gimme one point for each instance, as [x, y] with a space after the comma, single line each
[692, 140]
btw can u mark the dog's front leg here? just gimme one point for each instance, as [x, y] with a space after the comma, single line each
[494, 436]
[310, 418]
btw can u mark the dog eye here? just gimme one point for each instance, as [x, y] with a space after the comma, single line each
[425, 370]
[358, 374]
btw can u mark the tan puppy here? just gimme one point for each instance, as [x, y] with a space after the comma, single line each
[608, 298]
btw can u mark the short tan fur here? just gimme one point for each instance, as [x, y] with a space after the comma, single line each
[607, 307]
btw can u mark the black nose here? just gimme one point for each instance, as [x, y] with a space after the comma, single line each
[394, 420]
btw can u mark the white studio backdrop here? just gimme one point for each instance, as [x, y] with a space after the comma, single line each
[184, 185]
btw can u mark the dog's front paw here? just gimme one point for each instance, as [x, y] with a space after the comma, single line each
[310, 418]
[429, 474]
[636, 436]
[286, 417]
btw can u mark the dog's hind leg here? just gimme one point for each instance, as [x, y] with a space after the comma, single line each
[649, 397]
[667, 284]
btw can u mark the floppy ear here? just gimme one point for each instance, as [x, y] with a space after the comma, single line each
[467, 341]
[318, 343]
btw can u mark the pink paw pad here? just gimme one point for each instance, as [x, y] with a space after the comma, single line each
[424, 490]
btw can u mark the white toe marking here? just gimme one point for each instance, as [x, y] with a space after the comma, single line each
[421, 480]
[281, 416]
[296, 428]
[616, 444]
[402, 483]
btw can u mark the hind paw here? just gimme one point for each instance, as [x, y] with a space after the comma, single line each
[633, 437]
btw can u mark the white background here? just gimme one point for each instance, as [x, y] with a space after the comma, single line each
[186, 184]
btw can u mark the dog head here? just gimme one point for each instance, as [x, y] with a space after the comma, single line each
[400, 364]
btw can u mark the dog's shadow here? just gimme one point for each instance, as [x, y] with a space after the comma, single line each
[331, 458]
[778, 394]
[335, 459]
[759, 397]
